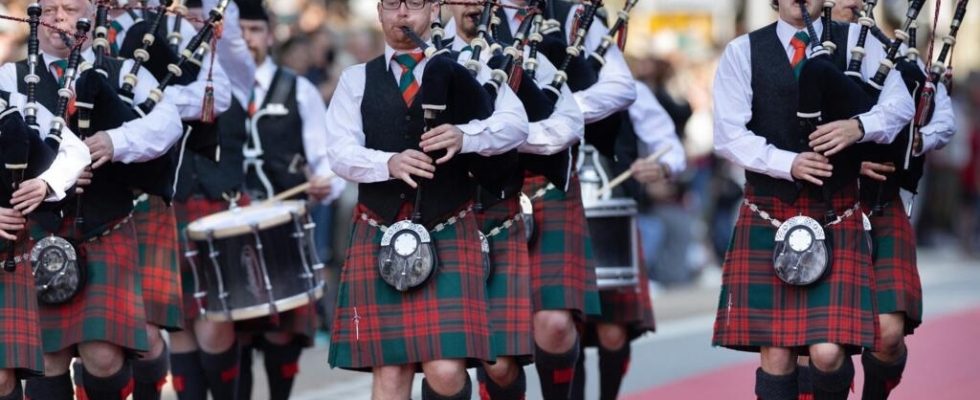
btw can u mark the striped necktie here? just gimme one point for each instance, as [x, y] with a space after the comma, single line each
[59, 67]
[799, 43]
[521, 14]
[113, 32]
[407, 84]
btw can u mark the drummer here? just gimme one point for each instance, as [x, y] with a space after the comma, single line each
[627, 313]
[293, 150]
[206, 355]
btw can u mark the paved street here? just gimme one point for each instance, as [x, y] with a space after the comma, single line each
[679, 363]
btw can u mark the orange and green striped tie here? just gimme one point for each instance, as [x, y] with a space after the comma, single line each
[799, 43]
[407, 84]
[59, 67]
[113, 32]
[521, 14]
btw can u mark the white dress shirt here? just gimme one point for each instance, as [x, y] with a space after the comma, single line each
[139, 140]
[72, 157]
[188, 98]
[503, 131]
[656, 130]
[311, 111]
[564, 128]
[941, 128]
[233, 53]
[733, 104]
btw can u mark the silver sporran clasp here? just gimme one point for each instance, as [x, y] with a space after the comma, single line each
[802, 253]
[58, 271]
[407, 257]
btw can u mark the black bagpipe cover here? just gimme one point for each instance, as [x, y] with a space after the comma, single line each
[19, 144]
[155, 176]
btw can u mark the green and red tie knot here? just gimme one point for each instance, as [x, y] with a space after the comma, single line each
[58, 68]
[113, 33]
[521, 14]
[407, 84]
[799, 42]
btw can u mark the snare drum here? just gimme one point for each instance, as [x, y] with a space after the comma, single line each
[612, 225]
[254, 261]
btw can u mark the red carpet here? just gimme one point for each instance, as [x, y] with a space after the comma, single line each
[942, 365]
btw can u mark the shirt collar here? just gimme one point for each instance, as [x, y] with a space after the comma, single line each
[390, 53]
[785, 31]
[459, 43]
[87, 55]
[264, 73]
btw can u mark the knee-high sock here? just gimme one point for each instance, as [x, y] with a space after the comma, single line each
[245, 377]
[117, 386]
[17, 393]
[556, 371]
[221, 371]
[578, 382]
[76, 378]
[806, 386]
[149, 375]
[463, 394]
[776, 387]
[832, 385]
[281, 365]
[490, 390]
[58, 387]
[613, 365]
[881, 378]
[188, 376]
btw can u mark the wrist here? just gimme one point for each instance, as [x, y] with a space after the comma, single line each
[860, 126]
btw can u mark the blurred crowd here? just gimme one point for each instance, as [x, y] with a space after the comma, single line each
[687, 225]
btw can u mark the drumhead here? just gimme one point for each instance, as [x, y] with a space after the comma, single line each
[240, 220]
[610, 208]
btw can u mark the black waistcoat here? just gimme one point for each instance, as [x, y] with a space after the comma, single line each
[281, 136]
[775, 99]
[390, 126]
[199, 175]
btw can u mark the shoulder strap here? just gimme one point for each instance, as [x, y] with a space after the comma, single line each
[282, 86]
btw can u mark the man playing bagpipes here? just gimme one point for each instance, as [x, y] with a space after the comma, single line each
[27, 183]
[287, 147]
[99, 316]
[413, 292]
[796, 277]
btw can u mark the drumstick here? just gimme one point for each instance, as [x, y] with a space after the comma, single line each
[629, 173]
[289, 192]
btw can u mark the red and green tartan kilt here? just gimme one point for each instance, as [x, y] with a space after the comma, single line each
[187, 212]
[756, 309]
[896, 275]
[562, 268]
[631, 307]
[509, 286]
[445, 318]
[300, 321]
[156, 232]
[20, 333]
[109, 308]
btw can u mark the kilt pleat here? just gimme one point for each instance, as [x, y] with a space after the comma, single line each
[756, 309]
[187, 212]
[445, 318]
[156, 232]
[562, 268]
[897, 283]
[509, 285]
[109, 308]
[20, 348]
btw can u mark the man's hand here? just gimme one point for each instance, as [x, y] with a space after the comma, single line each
[830, 139]
[10, 221]
[877, 171]
[100, 147]
[444, 136]
[411, 162]
[811, 167]
[648, 171]
[320, 188]
[29, 195]
[84, 179]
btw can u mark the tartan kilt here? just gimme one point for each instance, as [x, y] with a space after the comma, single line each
[756, 309]
[562, 268]
[445, 318]
[509, 285]
[156, 232]
[897, 284]
[20, 333]
[630, 307]
[301, 322]
[187, 212]
[109, 308]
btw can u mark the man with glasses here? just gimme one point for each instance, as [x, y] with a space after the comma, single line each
[375, 123]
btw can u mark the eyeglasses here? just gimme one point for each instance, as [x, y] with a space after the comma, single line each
[410, 4]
